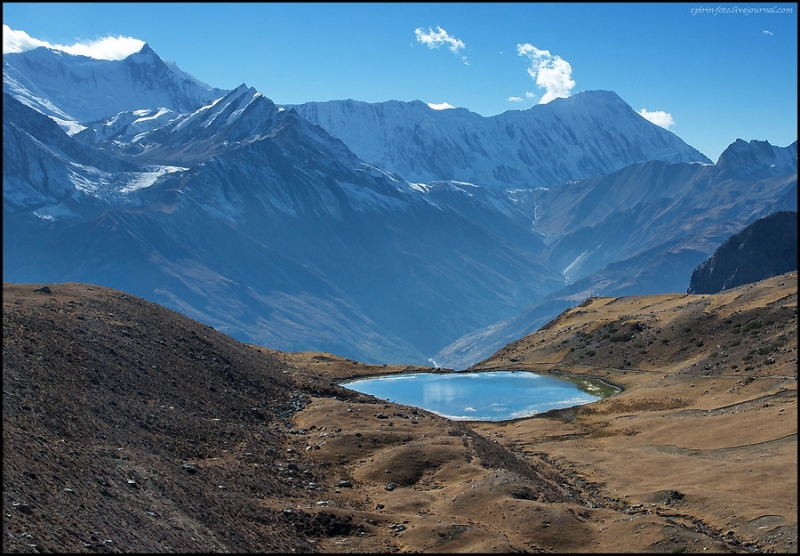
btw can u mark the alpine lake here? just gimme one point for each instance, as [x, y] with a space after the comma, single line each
[484, 396]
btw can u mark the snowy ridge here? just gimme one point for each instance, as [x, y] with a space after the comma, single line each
[757, 159]
[129, 126]
[48, 171]
[20, 87]
[163, 136]
[590, 133]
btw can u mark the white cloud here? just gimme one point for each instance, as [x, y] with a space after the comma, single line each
[18, 41]
[107, 48]
[552, 73]
[435, 39]
[658, 117]
[530, 95]
[514, 99]
[767, 32]
[440, 106]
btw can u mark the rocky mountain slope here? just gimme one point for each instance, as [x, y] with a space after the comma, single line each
[765, 248]
[129, 428]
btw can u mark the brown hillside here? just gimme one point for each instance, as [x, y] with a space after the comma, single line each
[129, 428]
[709, 410]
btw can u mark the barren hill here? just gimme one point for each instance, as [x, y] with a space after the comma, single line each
[130, 428]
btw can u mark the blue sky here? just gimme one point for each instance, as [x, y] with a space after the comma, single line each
[711, 73]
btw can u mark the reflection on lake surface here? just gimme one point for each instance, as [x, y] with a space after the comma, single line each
[488, 396]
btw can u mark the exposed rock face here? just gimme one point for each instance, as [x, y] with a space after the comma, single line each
[765, 248]
[757, 159]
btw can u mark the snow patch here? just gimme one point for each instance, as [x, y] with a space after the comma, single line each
[146, 179]
[70, 127]
[465, 183]
[421, 187]
[197, 113]
[578, 260]
[52, 213]
[144, 115]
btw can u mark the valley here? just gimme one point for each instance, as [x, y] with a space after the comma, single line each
[202, 443]
[699, 450]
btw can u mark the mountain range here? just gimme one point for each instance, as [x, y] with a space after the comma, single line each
[388, 232]
[588, 134]
[642, 230]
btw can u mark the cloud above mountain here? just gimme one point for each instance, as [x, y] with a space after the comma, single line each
[658, 117]
[440, 37]
[435, 39]
[550, 72]
[106, 48]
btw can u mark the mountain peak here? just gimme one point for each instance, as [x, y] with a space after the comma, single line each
[145, 55]
[84, 89]
[598, 94]
[243, 88]
[146, 49]
[587, 98]
[757, 159]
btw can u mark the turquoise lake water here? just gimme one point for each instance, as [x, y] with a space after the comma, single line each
[488, 396]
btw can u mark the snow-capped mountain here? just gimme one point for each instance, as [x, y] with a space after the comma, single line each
[257, 220]
[78, 89]
[757, 160]
[590, 133]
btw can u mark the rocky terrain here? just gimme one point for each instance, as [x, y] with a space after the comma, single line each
[130, 428]
[765, 248]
